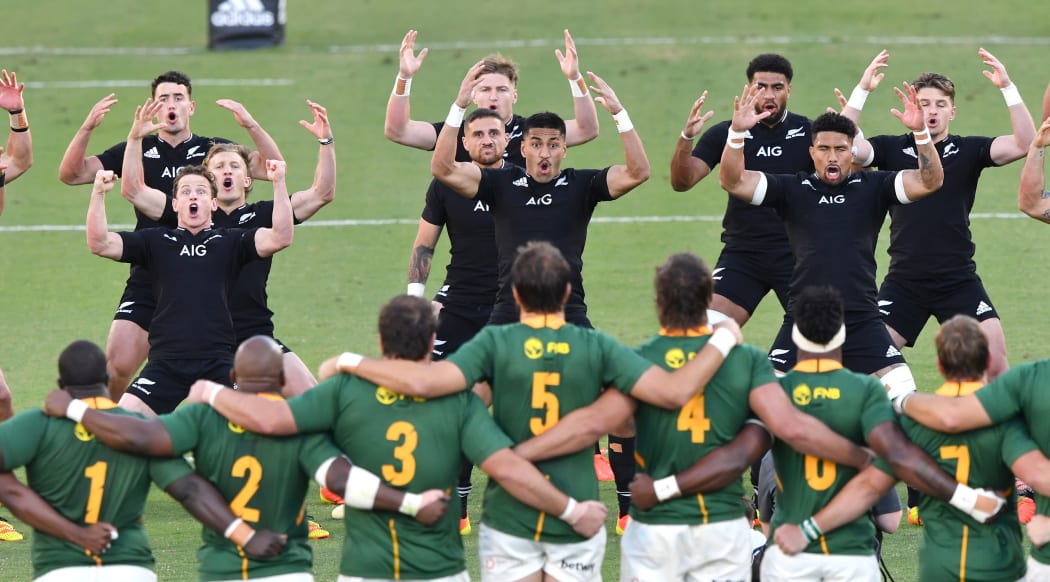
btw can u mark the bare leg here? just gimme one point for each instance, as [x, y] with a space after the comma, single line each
[997, 363]
[135, 404]
[721, 304]
[898, 340]
[126, 349]
[297, 377]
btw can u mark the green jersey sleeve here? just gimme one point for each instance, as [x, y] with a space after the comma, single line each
[1016, 440]
[1003, 398]
[761, 369]
[316, 449]
[623, 365]
[481, 435]
[474, 358]
[19, 437]
[317, 409]
[183, 426]
[164, 472]
[877, 407]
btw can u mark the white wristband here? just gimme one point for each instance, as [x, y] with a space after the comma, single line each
[230, 528]
[666, 488]
[722, 340]
[213, 391]
[569, 508]
[686, 137]
[735, 139]
[416, 289]
[76, 409]
[1011, 95]
[922, 137]
[410, 504]
[857, 98]
[455, 116]
[402, 86]
[579, 87]
[361, 488]
[623, 121]
[349, 361]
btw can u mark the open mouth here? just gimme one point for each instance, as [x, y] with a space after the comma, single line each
[227, 183]
[545, 167]
[833, 172]
[172, 117]
[770, 106]
[194, 210]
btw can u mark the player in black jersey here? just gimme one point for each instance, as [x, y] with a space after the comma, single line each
[833, 218]
[932, 271]
[174, 146]
[193, 269]
[497, 89]
[1032, 196]
[756, 257]
[17, 156]
[230, 163]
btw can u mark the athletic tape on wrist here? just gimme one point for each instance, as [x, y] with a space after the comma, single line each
[623, 121]
[735, 139]
[230, 528]
[455, 116]
[666, 488]
[578, 87]
[567, 514]
[686, 137]
[810, 529]
[416, 289]
[349, 361]
[361, 488]
[857, 98]
[213, 391]
[922, 137]
[402, 86]
[723, 340]
[410, 504]
[76, 409]
[964, 498]
[1011, 95]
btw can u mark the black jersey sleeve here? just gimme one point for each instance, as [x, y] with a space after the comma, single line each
[113, 158]
[598, 186]
[247, 251]
[136, 247]
[712, 141]
[434, 208]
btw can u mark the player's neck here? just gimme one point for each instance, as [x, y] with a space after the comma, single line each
[174, 139]
[82, 392]
[229, 206]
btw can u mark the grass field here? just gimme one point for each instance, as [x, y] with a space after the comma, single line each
[326, 289]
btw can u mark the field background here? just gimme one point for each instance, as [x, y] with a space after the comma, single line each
[326, 289]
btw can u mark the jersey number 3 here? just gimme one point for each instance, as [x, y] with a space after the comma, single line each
[403, 452]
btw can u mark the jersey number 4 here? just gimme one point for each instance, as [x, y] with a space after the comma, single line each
[692, 418]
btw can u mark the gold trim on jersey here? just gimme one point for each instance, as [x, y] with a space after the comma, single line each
[962, 553]
[958, 388]
[818, 365]
[703, 506]
[99, 402]
[691, 332]
[542, 321]
[396, 551]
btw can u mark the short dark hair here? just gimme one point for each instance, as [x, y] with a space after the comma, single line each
[543, 120]
[481, 113]
[818, 313]
[406, 324]
[82, 364]
[177, 77]
[195, 171]
[962, 349]
[833, 122]
[540, 274]
[770, 63]
[935, 81]
[683, 291]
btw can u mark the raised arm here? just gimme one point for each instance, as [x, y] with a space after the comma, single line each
[427, 236]
[268, 241]
[258, 415]
[715, 470]
[732, 175]
[424, 380]
[687, 169]
[100, 241]
[147, 200]
[265, 148]
[18, 155]
[32, 509]
[869, 81]
[75, 167]
[1008, 148]
[580, 428]
[585, 127]
[673, 390]
[929, 176]
[803, 432]
[622, 178]
[463, 177]
[123, 432]
[1032, 197]
[307, 202]
[400, 127]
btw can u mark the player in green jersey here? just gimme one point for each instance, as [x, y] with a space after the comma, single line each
[88, 482]
[856, 407]
[264, 479]
[32, 509]
[414, 444]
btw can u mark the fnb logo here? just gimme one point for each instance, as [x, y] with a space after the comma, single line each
[802, 395]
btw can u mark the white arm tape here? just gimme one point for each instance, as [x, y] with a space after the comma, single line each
[898, 187]
[321, 475]
[361, 488]
[623, 121]
[723, 340]
[416, 289]
[964, 499]
[666, 488]
[567, 514]
[410, 504]
[857, 98]
[760, 191]
[349, 361]
[1011, 95]
[76, 409]
[758, 421]
[230, 528]
[455, 116]
[579, 87]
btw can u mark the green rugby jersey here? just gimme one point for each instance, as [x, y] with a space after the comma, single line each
[541, 370]
[412, 444]
[87, 482]
[264, 480]
[954, 545]
[1020, 391]
[670, 441]
[850, 404]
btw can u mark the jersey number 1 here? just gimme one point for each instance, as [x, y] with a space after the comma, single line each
[97, 475]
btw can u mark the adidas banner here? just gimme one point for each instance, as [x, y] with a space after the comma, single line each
[245, 24]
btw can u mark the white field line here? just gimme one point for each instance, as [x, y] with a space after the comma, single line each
[111, 83]
[413, 221]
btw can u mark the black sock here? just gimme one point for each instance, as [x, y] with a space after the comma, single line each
[913, 497]
[464, 487]
[597, 449]
[621, 458]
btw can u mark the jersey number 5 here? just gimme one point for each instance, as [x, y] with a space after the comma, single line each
[544, 400]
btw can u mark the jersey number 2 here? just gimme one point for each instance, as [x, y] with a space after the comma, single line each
[250, 468]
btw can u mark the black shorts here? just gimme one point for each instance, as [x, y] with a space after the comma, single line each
[163, 384]
[503, 313]
[906, 305]
[868, 348]
[746, 277]
[456, 325]
[137, 303]
[284, 349]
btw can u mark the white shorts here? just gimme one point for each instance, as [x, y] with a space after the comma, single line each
[716, 551]
[1037, 571]
[114, 573]
[506, 557]
[293, 577]
[461, 577]
[818, 567]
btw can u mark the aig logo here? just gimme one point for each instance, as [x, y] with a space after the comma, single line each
[836, 199]
[769, 151]
[544, 200]
[193, 251]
